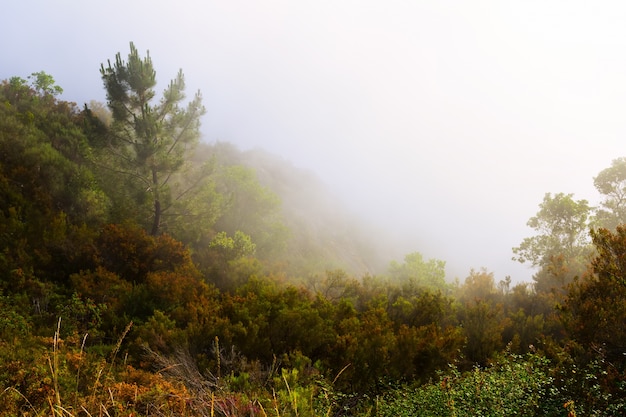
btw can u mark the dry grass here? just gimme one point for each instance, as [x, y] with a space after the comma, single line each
[76, 383]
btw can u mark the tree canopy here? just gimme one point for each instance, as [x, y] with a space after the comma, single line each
[611, 183]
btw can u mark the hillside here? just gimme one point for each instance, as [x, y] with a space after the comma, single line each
[144, 273]
[324, 234]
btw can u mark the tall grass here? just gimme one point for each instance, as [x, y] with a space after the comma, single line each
[69, 379]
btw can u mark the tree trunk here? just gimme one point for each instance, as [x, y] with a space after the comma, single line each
[156, 224]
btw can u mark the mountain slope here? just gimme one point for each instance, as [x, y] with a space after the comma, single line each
[323, 233]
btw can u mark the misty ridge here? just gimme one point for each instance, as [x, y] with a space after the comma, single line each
[146, 272]
[322, 226]
[318, 233]
[322, 234]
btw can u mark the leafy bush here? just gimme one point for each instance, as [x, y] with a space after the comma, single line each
[512, 386]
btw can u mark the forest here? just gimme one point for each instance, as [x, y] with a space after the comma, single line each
[144, 272]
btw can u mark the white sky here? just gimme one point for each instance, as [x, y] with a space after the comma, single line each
[443, 121]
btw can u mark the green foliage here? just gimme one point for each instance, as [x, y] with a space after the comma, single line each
[238, 246]
[423, 351]
[611, 183]
[227, 261]
[81, 316]
[49, 199]
[196, 205]
[251, 209]
[273, 321]
[293, 397]
[160, 333]
[514, 386]
[365, 344]
[586, 389]
[311, 231]
[561, 247]
[415, 271]
[482, 325]
[13, 324]
[43, 149]
[44, 84]
[420, 308]
[595, 304]
[561, 224]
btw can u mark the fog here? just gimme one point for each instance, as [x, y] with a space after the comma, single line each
[441, 122]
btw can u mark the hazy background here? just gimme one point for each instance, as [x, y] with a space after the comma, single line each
[444, 122]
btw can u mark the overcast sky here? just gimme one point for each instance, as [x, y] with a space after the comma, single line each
[443, 121]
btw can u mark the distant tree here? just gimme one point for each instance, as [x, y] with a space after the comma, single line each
[611, 183]
[149, 141]
[250, 208]
[41, 84]
[479, 285]
[561, 225]
[561, 247]
[44, 84]
[101, 111]
[504, 285]
[333, 285]
[233, 247]
[415, 271]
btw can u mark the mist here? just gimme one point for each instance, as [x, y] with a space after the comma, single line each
[440, 125]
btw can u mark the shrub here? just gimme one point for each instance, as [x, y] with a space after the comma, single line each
[512, 386]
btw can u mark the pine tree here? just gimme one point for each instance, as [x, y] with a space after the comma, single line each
[149, 141]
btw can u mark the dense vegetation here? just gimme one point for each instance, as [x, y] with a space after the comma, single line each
[145, 273]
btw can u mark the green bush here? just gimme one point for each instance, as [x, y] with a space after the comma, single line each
[511, 386]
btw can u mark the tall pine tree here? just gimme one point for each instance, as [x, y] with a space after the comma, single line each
[149, 141]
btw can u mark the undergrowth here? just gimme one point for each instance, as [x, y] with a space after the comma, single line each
[57, 377]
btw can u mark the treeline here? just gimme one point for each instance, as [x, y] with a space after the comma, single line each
[127, 241]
